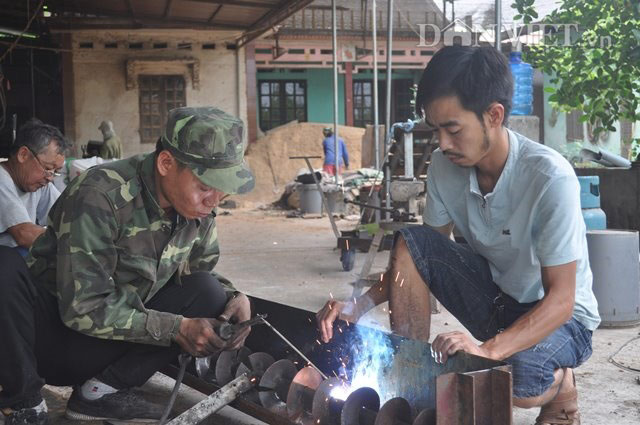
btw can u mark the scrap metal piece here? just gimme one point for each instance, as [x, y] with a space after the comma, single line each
[275, 383]
[256, 364]
[426, 417]
[325, 409]
[214, 402]
[360, 407]
[397, 410]
[228, 363]
[301, 394]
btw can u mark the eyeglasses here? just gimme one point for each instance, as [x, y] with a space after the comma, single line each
[47, 173]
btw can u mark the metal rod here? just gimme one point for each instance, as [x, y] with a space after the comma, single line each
[294, 347]
[498, 8]
[376, 119]
[214, 402]
[389, 78]
[334, 40]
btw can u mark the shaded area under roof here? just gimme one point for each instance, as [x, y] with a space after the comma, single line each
[250, 18]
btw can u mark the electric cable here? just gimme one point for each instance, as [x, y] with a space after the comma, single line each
[620, 365]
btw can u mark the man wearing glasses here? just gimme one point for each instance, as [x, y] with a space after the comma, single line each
[26, 189]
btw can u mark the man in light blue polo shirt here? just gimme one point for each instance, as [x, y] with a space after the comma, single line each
[522, 283]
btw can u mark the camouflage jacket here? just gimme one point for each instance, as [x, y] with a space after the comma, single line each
[111, 148]
[109, 248]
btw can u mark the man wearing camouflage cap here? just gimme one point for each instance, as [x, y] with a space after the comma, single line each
[123, 278]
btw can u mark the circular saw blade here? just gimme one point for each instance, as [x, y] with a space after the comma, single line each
[362, 398]
[275, 384]
[256, 364]
[228, 363]
[300, 395]
[426, 417]
[393, 411]
[320, 411]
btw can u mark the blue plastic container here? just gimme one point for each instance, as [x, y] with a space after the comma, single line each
[523, 85]
[594, 217]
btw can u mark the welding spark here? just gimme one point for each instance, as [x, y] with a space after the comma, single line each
[397, 275]
[381, 276]
[318, 342]
[340, 329]
[401, 282]
[355, 301]
[330, 308]
[309, 319]
[347, 244]
[389, 311]
[330, 294]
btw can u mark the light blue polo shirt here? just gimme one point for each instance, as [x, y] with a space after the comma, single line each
[532, 219]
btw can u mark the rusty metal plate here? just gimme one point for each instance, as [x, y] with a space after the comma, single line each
[301, 393]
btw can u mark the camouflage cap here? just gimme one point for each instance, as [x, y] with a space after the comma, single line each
[210, 142]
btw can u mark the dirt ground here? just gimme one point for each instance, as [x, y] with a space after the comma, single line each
[294, 261]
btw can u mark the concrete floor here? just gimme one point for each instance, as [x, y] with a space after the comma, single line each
[293, 261]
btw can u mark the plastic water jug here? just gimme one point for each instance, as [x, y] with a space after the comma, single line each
[523, 85]
[594, 217]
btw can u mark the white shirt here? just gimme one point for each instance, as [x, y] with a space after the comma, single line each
[532, 219]
[18, 207]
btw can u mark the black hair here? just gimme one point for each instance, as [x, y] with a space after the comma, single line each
[36, 135]
[478, 76]
[160, 147]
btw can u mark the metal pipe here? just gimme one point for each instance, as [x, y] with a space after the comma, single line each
[389, 79]
[214, 402]
[334, 39]
[376, 119]
[498, 7]
[408, 154]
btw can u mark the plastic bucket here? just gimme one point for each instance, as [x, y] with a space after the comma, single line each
[310, 199]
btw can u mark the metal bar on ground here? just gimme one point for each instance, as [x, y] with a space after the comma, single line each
[325, 203]
[214, 402]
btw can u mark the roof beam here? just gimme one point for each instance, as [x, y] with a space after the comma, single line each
[285, 9]
[213, 15]
[167, 9]
[132, 12]
[66, 24]
[244, 3]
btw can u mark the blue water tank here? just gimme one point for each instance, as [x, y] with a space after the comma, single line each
[523, 85]
[594, 217]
